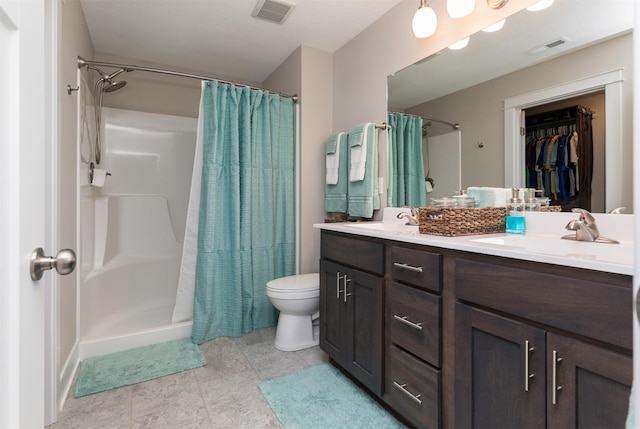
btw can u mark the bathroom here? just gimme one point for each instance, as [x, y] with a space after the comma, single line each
[353, 101]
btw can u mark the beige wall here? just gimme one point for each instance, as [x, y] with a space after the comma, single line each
[74, 40]
[479, 109]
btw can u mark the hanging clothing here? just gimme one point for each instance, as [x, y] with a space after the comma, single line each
[559, 155]
[246, 227]
[405, 170]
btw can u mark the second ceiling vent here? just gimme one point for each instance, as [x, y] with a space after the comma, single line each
[276, 11]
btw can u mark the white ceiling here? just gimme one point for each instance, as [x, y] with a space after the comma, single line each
[221, 36]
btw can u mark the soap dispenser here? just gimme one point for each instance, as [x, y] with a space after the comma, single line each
[531, 203]
[515, 213]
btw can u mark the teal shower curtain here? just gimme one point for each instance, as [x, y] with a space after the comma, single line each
[247, 209]
[405, 169]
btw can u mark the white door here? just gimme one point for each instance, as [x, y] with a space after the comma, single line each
[25, 137]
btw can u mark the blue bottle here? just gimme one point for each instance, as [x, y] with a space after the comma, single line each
[515, 213]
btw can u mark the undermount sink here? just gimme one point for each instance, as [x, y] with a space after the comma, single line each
[618, 253]
[393, 227]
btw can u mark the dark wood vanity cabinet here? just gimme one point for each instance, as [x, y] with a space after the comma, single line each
[413, 334]
[351, 302]
[540, 362]
[456, 339]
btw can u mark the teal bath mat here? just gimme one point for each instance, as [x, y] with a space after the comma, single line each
[321, 397]
[128, 367]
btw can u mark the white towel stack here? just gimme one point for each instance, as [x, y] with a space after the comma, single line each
[333, 158]
[489, 197]
[358, 143]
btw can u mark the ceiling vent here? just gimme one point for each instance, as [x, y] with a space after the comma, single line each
[550, 45]
[276, 11]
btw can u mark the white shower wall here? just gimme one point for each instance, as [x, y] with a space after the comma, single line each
[132, 231]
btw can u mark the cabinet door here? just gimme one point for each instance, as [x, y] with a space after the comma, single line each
[500, 371]
[588, 386]
[365, 320]
[351, 321]
[332, 312]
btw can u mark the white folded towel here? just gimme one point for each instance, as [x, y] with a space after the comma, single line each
[489, 197]
[358, 156]
[333, 158]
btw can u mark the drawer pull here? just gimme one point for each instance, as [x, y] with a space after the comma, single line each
[346, 280]
[338, 278]
[407, 267]
[404, 320]
[416, 398]
[527, 376]
[554, 378]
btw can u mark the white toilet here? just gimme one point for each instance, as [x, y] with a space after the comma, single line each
[298, 299]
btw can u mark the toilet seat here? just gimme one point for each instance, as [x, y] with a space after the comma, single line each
[296, 283]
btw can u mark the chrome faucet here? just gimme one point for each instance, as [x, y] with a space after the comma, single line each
[586, 228]
[412, 217]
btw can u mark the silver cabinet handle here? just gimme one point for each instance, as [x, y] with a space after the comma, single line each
[416, 398]
[527, 351]
[554, 378]
[407, 267]
[338, 278]
[345, 294]
[64, 262]
[404, 320]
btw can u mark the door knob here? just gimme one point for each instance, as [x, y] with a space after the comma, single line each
[64, 262]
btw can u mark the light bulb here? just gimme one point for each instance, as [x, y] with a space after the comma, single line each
[460, 8]
[460, 44]
[424, 22]
[495, 27]
[540, 5]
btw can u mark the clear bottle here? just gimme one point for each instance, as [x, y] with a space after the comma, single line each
[531, 203]
[515, 213]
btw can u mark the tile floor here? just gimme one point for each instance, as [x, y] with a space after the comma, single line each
[222, 394]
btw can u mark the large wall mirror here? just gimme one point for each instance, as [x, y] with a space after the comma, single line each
[575, 53]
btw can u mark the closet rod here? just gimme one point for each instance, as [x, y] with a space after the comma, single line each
[130, 67]
[455, 126]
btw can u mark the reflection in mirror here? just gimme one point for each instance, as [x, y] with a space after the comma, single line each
[534, 51]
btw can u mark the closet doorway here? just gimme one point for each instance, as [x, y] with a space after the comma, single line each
[615, 163]
[575, 127]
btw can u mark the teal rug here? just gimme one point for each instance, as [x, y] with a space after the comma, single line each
[128, 367]
[321, 397]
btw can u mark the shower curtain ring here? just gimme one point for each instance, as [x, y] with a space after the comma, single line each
[70, 89]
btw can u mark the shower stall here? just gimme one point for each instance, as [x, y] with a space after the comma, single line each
[132, 231]
[132, 224]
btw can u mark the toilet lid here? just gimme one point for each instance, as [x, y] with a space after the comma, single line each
[299, 283]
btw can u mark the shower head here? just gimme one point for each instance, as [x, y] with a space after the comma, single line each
[110, 86]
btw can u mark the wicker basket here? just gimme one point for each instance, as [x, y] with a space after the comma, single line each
[461, 221]
[551, 209]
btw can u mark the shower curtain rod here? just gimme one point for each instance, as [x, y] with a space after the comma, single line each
[131, 67]
[455, 126]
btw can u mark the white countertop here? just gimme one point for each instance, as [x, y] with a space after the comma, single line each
[533, 246]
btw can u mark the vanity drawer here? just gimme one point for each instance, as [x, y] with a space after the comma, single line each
[348, 250]
[413, 320]
[587, 303]
[412, 388]
[417, 267]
